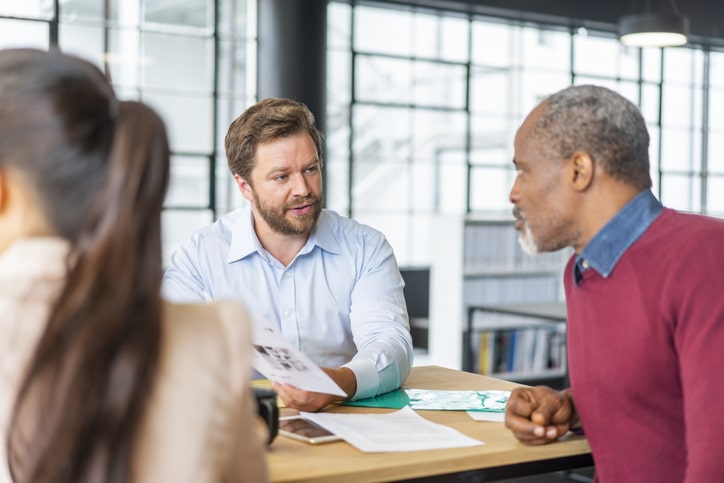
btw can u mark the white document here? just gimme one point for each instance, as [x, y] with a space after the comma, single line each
[277, 360]
[483, 416]
[402, 430]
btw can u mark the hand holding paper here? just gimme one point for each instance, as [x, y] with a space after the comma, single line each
[280, 362]
[303, 400]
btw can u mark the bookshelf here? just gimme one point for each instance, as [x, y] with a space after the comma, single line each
[523, 342]
[514, 305]
[479, 276]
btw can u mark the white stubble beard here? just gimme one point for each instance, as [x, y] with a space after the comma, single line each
[526, 241]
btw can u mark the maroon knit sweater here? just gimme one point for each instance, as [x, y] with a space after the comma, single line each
[646, 355]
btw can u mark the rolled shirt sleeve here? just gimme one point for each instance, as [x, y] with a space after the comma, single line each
[379, 323]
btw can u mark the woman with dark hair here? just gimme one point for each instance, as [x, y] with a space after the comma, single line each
[100, 379]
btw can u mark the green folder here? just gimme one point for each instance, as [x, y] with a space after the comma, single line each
[438, 400]
[396, 399]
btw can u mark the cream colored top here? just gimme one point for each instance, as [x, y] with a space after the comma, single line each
[201, 424]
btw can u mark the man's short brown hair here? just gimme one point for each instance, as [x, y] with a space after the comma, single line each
[268, 119]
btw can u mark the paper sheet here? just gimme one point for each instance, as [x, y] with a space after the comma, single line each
[483, 401]
[276, 359]
[492, 417]
[402, 430]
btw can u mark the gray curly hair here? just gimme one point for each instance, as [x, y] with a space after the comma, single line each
[601, 122]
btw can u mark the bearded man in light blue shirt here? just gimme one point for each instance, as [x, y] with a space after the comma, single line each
[330, 284]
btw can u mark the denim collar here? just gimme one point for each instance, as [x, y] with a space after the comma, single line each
[611, 242]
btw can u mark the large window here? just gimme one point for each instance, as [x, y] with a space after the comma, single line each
[424, 105]
[195, 65]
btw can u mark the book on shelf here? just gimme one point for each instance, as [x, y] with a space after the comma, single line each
[526, 350]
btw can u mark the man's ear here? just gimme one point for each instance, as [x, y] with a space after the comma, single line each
[244, 187]
[581, 170]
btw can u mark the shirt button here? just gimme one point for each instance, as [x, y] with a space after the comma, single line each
[286, 313]
[584, 263]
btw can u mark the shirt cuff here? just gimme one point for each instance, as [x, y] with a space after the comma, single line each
[367, 379]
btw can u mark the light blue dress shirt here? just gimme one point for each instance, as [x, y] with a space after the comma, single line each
[340, 301]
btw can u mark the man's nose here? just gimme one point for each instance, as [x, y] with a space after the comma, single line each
[300, 185]
[514, 195]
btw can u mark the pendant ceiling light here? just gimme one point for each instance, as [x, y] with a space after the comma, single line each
[653, 24]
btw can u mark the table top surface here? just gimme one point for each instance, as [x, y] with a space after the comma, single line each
[291, 460]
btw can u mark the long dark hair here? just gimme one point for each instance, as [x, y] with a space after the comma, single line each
[99, 168]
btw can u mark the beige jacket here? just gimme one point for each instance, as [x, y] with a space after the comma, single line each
[201, 424]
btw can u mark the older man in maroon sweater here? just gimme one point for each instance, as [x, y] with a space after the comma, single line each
[644, 290]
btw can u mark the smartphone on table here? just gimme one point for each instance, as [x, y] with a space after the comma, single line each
[304, 430]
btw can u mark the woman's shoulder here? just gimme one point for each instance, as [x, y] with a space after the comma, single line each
[202, 385]
[223, 315]
[217, 334]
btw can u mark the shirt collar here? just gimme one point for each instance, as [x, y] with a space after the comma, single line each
[243, 238]
[605, 249]
[323, 234]
[244, 241]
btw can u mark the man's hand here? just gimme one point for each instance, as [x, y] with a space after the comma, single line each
[539, 415]
[314, 401]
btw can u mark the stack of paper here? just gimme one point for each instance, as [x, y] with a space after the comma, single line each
[391, 431]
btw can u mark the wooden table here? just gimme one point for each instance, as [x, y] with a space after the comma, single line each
[502, 456]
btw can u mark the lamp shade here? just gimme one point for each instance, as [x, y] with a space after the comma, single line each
[653, 30]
